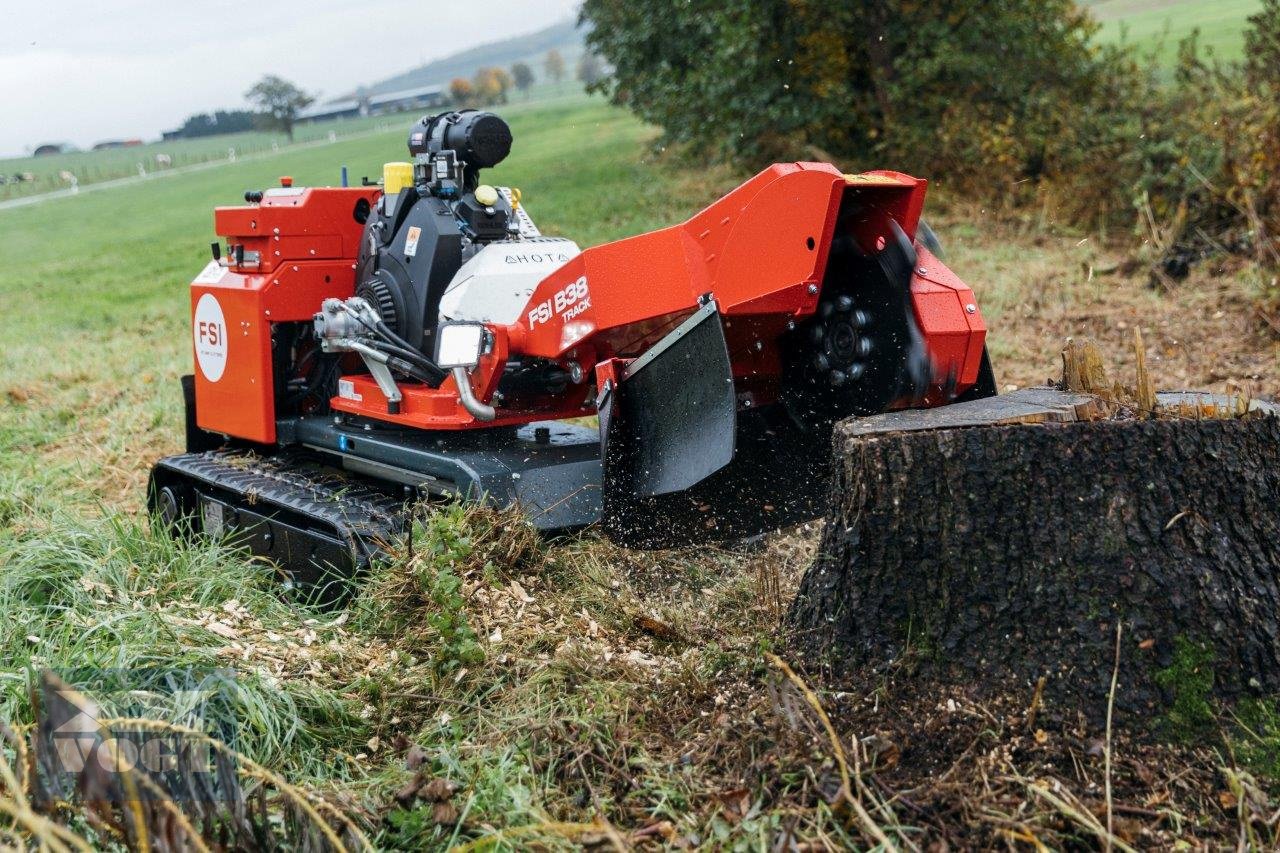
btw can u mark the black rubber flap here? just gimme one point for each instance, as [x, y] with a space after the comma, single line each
[677, 409]
[681, 466]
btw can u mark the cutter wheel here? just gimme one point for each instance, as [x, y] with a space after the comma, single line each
[359, 350]
[862, 350]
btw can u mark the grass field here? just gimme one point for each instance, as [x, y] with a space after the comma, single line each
[523, 670]
[1160, 24]
[91, 167]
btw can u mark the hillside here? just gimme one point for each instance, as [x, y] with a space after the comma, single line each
[564, 37]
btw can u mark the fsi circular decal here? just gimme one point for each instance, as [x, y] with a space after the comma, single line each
[210, 332]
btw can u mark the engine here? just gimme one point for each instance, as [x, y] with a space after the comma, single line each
[440, 246]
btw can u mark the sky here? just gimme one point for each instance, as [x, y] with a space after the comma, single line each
[81, 71]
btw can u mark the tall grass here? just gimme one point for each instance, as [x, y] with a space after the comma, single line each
[110, 603]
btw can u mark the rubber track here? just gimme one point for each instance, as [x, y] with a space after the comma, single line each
[361, 516]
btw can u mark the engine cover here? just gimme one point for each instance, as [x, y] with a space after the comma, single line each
[411, 249]
[497, 283]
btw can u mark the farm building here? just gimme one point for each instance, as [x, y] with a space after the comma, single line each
[422, 97]
[341, 108]
[108, 144]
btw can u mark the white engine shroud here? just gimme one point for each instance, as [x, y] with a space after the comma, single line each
[497, 283]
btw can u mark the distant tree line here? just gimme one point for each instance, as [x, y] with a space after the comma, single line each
[215, 123]
[279, 102]
[491, 86]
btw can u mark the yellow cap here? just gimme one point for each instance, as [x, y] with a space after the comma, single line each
[486, 195]
[396, 176]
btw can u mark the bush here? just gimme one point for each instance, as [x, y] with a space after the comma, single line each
[1008, 103]
[921, 83]
[1205, 173]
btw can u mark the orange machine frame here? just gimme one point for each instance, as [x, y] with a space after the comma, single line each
[761, 251]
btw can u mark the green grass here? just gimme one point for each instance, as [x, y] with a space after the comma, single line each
[1160, 24]
[109, 597]
[92, 167]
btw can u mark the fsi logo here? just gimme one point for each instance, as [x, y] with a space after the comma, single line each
[567, 303]
[210, 332]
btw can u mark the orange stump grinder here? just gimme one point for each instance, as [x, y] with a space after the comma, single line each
[360, 350]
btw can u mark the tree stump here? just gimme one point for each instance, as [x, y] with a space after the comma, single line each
[1000, 541]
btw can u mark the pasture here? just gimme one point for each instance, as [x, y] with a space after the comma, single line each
[1160, 24]
[153, 158]
[1153, 26]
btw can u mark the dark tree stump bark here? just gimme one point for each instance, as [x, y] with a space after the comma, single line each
[994, 555]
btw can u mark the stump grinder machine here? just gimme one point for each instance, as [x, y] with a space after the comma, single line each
[362, 350]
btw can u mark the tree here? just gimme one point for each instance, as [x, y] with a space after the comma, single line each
[491, 86]
[523, 76]
[505, 83]
[554, 66]
[280, 100]
[590, 70]
[221, 121]
[1262, 43]
[855, 78]
[461, 91]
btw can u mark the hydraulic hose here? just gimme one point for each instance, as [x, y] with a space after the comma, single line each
[433, 369]
[425, 367]
[478, 410]
[431, 374]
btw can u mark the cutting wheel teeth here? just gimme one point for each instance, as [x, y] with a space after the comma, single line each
[844, 303]
[826, 309]
[839, 377]
[861, 319]
[856, 370]
[818, 334]
[864, 347]
[820, 362]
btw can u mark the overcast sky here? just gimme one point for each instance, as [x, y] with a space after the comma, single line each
[85, 70]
